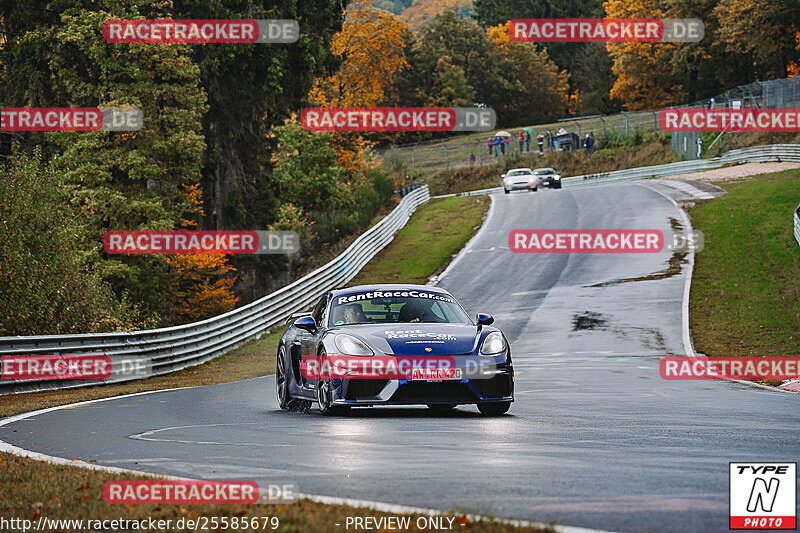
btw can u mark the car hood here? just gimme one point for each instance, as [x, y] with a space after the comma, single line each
[410, 338]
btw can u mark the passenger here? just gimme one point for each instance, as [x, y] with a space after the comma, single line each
[354, 314]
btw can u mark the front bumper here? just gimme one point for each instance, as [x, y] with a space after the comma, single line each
[519, 186]
[495, 384]
[555, 184]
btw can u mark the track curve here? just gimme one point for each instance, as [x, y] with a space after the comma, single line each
[595, 438]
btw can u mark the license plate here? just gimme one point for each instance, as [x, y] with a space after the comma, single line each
[435, 374]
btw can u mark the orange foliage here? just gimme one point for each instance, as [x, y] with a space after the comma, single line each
[793, 68]
[642, 69]
[371, 47]
[203, 286]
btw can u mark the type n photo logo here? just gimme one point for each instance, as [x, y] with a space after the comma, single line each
[763, 496]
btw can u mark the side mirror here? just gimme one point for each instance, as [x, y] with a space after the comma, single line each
[484, 319]
[307, 323]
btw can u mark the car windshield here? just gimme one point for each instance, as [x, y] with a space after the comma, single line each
[393, 306]
[518, 172]
[544, 171]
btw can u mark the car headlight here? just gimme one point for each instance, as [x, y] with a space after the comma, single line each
[557, 177]
[351, 346]
[493, 344]
[532, 179]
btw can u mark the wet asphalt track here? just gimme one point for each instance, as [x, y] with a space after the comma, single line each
[595, 438]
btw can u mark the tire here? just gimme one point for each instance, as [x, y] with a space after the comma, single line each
[282, 376]
[441, 407]
[494, 408]
[324, 387]
[505, 190]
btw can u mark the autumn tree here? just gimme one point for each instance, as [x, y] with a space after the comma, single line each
[764, 30]
[370, 48]
[203, 286]
[644, 74]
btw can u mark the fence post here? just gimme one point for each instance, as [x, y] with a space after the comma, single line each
[627, 124]
[446, 158]
[413, 160]
[655, 121]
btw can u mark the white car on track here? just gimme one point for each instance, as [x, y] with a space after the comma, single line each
[520, 178]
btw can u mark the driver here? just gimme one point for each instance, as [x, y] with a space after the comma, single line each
[354, 314]
[417, 311]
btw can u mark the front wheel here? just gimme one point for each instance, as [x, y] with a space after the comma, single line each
[282, 376]
[494, 408]
[324, 394]
[505, 190]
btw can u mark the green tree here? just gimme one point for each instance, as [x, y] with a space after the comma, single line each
[450, 87]
[45, 288]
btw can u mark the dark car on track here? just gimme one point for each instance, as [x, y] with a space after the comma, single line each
[393, 344]
[548, 177]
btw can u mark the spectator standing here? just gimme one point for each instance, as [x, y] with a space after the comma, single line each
[527, 142]
[490, 143]
[540, 142]
[521, 139]
[503, 145]
[496, 143]
[549, 138]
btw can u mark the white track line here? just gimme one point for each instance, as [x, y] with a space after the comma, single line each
[329, 500]
[687, 335]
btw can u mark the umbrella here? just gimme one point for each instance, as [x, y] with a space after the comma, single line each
[529, 130]
[503, 133]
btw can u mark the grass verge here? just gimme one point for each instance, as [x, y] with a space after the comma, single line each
[746, 281]
[441, 228]
[31, 489]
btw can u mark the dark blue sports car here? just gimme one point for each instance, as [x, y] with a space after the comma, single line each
[393, 345]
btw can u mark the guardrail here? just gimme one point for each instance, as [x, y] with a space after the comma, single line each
[168, 349]
[755, 154]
